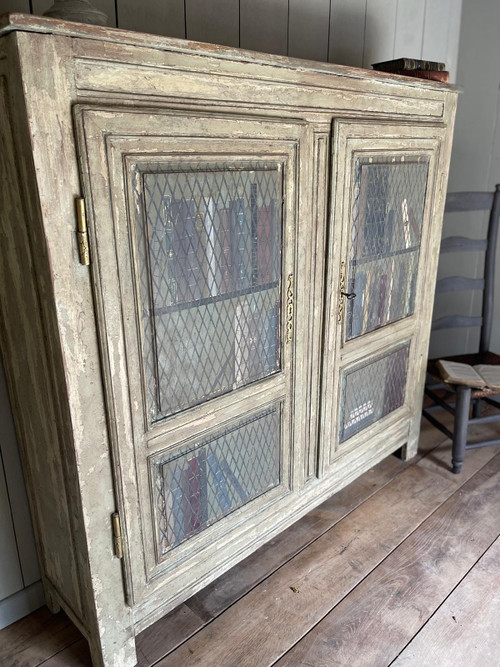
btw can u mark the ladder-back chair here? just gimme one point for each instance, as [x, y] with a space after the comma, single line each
[465, 396]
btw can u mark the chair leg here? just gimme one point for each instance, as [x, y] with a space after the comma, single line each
[476, 408]
[460, 429]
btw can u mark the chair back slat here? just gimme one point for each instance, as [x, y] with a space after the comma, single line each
[489, 272]
[459, 284]
[461, 244]
[456, 322]
[468, 201]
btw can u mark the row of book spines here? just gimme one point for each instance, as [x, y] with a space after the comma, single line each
[187, 494]
[253, 350]
[385, 298]
[409, 64]
[397, 229]
[219, 252]
[256, 343]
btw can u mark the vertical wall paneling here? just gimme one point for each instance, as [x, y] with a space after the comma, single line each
[106, 6]
[347, 32]
[308, 29]
[410, 16]
[9, 6]
[11, 579]
[264, 25]
[162, 18]
[380, 31]
[216, 21]
[16, 490]
[453, 38]
[436, 29]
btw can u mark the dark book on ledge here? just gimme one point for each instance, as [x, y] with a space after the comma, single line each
[443, 76]
[409, 64]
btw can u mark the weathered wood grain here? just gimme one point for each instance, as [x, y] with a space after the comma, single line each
[74, 655]
[321, 574]
[36, 638]
[174, 628]
[396, 600]
[466, 624]
[133, 97]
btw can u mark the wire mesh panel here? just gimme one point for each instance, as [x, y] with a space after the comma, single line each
[199, 486]
[387, 216]
[372, 390]
[209, 240]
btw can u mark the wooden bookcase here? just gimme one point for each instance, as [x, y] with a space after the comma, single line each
[251, 332]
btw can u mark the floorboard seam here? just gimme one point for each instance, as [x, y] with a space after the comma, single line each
[50, 657]
[350, 591]
[417, 460]
[400, 472]
[444, 599]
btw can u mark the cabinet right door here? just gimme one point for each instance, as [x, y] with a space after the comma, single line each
[383, 183]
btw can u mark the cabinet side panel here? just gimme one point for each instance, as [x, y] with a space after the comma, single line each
[28, 376]
[71, 343]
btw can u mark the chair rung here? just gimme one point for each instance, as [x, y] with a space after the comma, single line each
[458, 284]
[462, 243]
[437, 399]
[437, 424]
[484, 443]
[491, 401]
[456, 321]
[489, 419]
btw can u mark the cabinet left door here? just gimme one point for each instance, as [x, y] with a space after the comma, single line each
[193, 239]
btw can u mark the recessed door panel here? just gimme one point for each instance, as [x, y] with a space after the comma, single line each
[382, 180]
[193, 232]
[371, 390]
[386, 230]
[209, 241]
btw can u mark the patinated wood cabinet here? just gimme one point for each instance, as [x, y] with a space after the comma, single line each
[251, 332]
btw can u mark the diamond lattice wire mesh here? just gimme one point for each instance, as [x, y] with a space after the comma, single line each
[387, 216]
[209, 246]
[202, 485]
[372, 390]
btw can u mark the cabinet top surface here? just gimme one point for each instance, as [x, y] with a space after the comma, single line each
[39, 24]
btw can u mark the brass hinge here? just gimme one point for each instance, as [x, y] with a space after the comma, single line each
[117, 535]
[289, 309]
[82, 232]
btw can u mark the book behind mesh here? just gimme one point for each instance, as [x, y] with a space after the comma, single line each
[241, 244]
[409, 64]
[185, 250]
[479, 376]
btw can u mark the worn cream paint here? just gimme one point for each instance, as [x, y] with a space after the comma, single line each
[82, 102]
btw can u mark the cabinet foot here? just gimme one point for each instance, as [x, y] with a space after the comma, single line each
[51, 599]
[407, 451]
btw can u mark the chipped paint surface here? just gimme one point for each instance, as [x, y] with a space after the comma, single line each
[85, 102]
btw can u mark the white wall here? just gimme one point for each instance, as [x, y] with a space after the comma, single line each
[347, 32]
[475, 165]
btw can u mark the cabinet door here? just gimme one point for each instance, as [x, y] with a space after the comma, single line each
[193, 224]
[383, 190]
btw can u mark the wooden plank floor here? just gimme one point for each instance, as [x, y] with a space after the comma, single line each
[401, 567]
